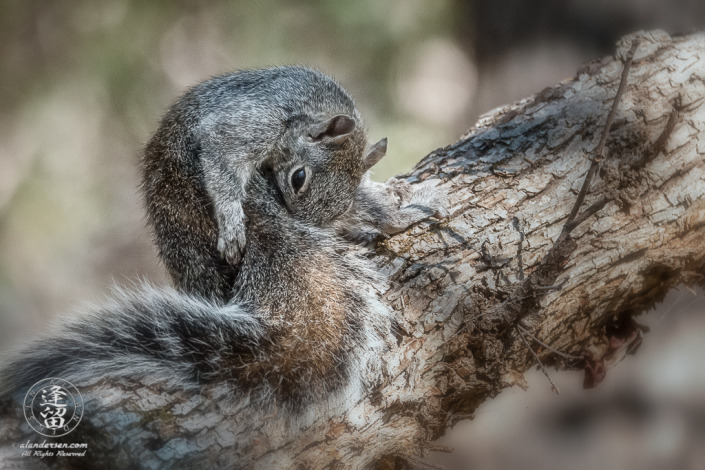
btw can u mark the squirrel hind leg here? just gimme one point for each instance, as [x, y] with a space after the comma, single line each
[414, 204]
[386, 209]
[364, 235]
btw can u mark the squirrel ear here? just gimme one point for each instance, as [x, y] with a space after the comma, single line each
[333, 128]
[375, 154]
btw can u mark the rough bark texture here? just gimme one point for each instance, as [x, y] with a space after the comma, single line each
[513, 177]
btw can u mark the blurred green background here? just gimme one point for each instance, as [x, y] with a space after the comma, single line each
[84, 83]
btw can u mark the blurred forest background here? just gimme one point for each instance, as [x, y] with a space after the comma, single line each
[83, 83]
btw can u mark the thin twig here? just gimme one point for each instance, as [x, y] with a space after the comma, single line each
[660, 143]
[597, 155]
[550, 348]
[587, 213]
[421, 463]
[554, 387]
[554, 287]
[520, 260]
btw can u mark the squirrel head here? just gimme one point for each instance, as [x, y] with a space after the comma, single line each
[324, 161]
[294, 121]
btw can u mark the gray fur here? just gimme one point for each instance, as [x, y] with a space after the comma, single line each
[198, 164]
[385, 209]
[152, 332]
[296, 320]
[206, 149]
[278, 308]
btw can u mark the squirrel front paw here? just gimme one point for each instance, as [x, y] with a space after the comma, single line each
[231, 234]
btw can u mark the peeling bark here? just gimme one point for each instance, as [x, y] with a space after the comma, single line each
[512, 181]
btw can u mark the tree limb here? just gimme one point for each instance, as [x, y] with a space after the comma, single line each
[513, 181]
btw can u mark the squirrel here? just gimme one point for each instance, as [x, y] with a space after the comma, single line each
[296, 324]
[302, 319]
[197, 166]
[304, 327]
[299, 312]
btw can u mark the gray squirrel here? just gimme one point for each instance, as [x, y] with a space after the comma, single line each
[219, 132]
[297, 318]
[303, 317]
[304, 326]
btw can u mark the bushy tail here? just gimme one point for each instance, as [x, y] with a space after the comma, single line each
[159, 333]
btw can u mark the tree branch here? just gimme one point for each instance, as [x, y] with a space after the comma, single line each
[589, 274]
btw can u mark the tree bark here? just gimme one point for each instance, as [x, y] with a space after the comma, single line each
[461, 286]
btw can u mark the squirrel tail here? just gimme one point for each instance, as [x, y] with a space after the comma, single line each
[160, 332]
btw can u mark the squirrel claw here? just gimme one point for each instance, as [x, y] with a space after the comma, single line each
[441, 212]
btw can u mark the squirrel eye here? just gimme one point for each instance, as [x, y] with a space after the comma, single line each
[298, 178]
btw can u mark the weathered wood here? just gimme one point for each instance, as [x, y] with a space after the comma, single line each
[512, 177]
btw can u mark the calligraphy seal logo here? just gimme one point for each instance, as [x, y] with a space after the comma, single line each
[53, 407]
